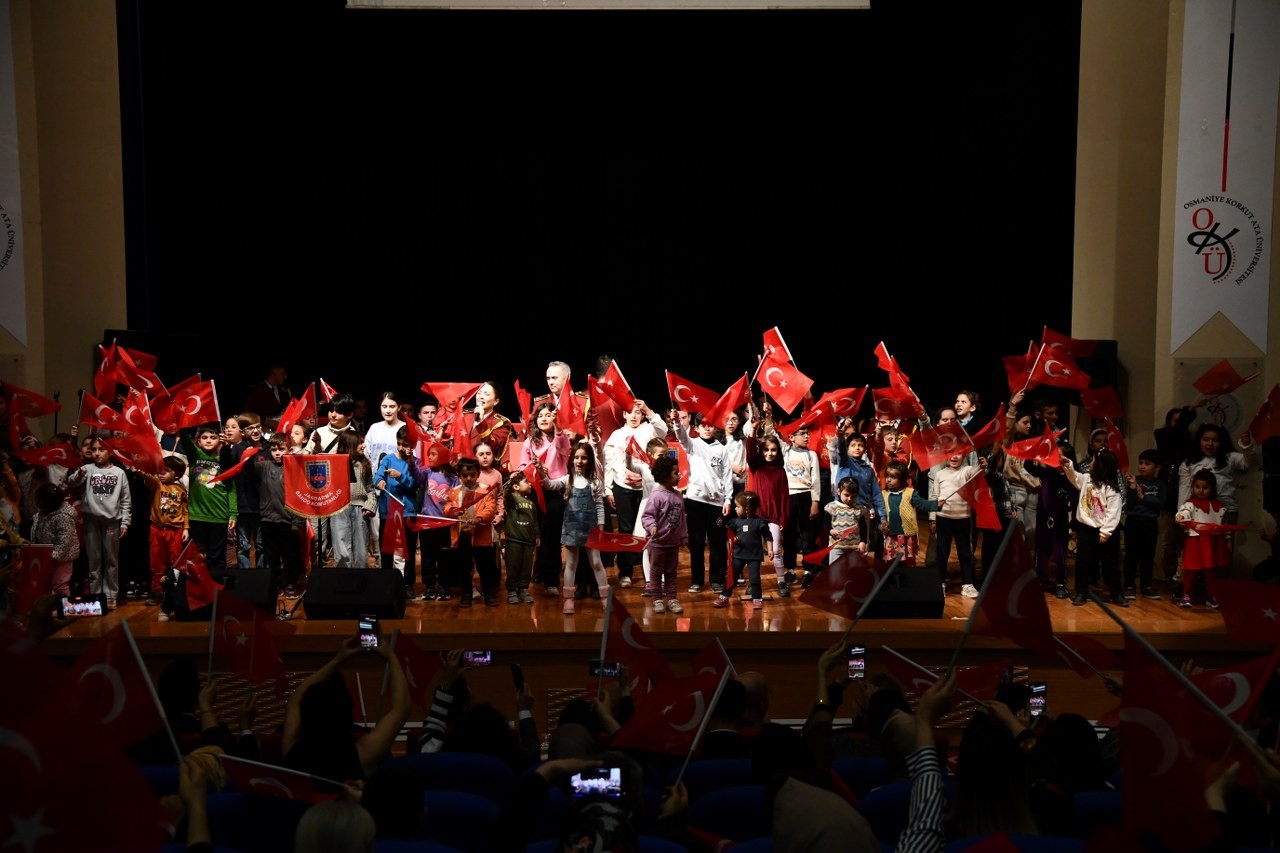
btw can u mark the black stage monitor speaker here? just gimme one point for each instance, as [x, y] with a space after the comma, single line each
[910, 593]
[348, 593]
[256, 586]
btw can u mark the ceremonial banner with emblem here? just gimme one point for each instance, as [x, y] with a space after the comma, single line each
[317, 485]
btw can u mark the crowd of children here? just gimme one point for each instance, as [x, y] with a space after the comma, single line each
[754, 490]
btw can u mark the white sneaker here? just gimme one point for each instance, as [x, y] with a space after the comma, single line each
[163, 617]
[659, 606]
[674, 606]
[624, 583]
[969, 591]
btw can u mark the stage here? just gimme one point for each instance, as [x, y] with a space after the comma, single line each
[783, 640]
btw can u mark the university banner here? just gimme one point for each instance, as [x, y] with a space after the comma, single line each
[13, 282]
[1226, 164]
[317, 485]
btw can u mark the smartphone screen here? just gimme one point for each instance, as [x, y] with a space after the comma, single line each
[73, 607]
[1039, 695]
[857, 662]
[608, 668]
[598, 781]
[368, 632]
[477, 657]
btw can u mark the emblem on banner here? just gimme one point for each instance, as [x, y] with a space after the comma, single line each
[1227, 237]
[317, 474]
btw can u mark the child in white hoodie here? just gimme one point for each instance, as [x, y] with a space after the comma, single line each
[1098, 512]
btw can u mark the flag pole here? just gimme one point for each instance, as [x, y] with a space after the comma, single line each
[386, 675]
[929, 672]
[1177, 675]
[727, 661]
[151, 688]
[1081, 658]
[213, 626]
[604, 640]
[702, 726]
[364, 715]
[982, 593]
[276, 768]
[1034, 365]
[871, 596]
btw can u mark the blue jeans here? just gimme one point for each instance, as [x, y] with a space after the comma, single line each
[247, 537]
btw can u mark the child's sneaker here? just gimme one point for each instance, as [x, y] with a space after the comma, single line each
[1184, 601]
[717, 587]
[513, 597]
[625, 583]
[646, 592]
[1130, 593]
[659, 606]
[526, 597]
[1212, 601]
[784, 591]
[969, 591]
[789, 577]
[695, 587]
[722, 600]
[163, 617]
[1149, 592]
[757, 603]
[674, 606]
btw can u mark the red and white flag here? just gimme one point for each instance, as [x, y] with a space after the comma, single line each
[782, 381]
[35, 575]
[429, 522]
[668, 719]
[628, 643]
[977, 495]
[55, 454]
[775, 346]
[531, 474]
[310, 408]
[689, 396]
[420, 668]
[137, 412]
[842, 587]
[197, 404]
[251, 641]
[994, 432]
[1054, 367]
[734, 397]
[889, 364]
[1067, 345]
[939, 443]
[615, 386]
[202, 589]
[844, 402]
[1014, 606]
[1116, 444]
[1220, 379]
[1042, 448]
[95, 413]
[1250, 610]
[712, 659]
[1236, 689]
[327, 391]
[896, 404]
[29, 403]
[602, 541]
[256, 777]
[393, 536]
[1018, 368]
[452, 396]
[1086, 655]
[682, 461]
[104, 380]
[138, 450]
[317, 485]
[249, 453]
[571, 411]
[1102, 402]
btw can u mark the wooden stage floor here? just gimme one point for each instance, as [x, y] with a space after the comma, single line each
[782, 640]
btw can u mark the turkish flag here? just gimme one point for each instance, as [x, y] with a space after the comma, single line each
[108, 686]
[1043, 449]
[202, 589]
[1014, 607]
[255, 777]
[235, 469]
[27, 677]
[435, 453]
[531, 474]
[1115, 442]
[420, 668]
[843, 586]
[251, 641]
[458, 435]
[571, 413]
[735, 396]
[95, 413]
[1250, 610]
[138, 450]
[1236, 689]
[818, 558]
[889, 364]
[844, 402]
[1159, 720]
[682, 461]
[602, 541]
[1090, 654]
[1018, 368]
[327, 391]
[977, 495]
[55, 454]
[452, 395]
[137, 412]
[637, 452]
[668, 719]
[1102, 402]
[35, 575]
[810, 421]
[317, 485]
[711, 659]
[939, 443]
[628, 643]
[196, 404]
[1266, 423]
[980, 682]
[393, 538]
[131, 374]
[525, 401]
[429, 522]
[310, 408]
[896, 404]
[104, 380]
[1058, 369]
[994, 432]
[775, 346]
[143, 360]
[1066, 345]
[29, 403]
[291, 415]
[782, 381]
[1220, 379]
[689, 396]
[615, 386]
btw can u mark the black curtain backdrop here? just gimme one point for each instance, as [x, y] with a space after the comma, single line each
[388, 197]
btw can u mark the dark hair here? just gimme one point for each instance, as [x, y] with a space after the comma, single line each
[428, 400]
[388, 395]
[466, 463]
[749, 501]
[536, 438]
[203, 428]
[973, 398]
[278, 440]
[1204, 475]
[1150, 455]
[847, 484]
[772, 439]
[1104, 468]
[402, 434]
[176, 465]
[662, 468]
[343, 404]
[1224, 445]
[49, 497]
[349, 442]
[899, 468]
